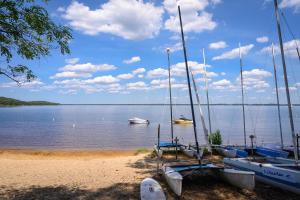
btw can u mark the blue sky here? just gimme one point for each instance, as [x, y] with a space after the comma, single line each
[118, 52]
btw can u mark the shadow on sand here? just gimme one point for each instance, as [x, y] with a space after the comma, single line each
[116, 191]
[208, 187]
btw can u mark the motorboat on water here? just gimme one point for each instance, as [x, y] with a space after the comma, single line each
[137, 120]
[183, 120]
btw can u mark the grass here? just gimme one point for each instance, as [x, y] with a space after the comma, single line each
[142, 151]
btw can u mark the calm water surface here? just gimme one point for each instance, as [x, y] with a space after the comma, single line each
[106, 127]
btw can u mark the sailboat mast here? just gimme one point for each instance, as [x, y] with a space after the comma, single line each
[189, 83]
[170, 95]
[206, 88]
[286, 80]
[201, 114]
[277, 96]
[242, 88]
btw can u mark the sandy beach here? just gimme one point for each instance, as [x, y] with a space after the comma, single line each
[28, 174]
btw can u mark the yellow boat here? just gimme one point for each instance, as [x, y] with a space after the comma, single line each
[183, 120]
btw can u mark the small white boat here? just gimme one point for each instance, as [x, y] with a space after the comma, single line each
[151, 190]
[137, 120]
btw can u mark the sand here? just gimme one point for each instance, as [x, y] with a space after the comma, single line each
[22, 172]
[35, 174]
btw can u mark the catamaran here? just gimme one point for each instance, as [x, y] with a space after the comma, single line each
[174, 174]
[162, 145]
[280, 172]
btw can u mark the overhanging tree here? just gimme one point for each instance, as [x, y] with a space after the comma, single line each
[26, 30]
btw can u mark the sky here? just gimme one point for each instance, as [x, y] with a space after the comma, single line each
[118, 54]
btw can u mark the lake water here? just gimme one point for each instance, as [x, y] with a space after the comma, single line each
[106, 126]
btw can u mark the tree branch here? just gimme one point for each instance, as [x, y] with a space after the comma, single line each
[10, 77]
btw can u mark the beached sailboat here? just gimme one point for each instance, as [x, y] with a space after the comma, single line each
[136, 120]
[279, 172]
[161, 145]
[273, 150]
[190, 151]
[231, 151]
[174, 174]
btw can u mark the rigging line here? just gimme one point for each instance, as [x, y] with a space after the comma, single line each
[291, 32]
[206, 136]
[286, 80]
[292, 68]
[206, 88]
[170, 96]
[189, 84]
[242, 88]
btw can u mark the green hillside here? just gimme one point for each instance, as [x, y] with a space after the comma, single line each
[4, 101]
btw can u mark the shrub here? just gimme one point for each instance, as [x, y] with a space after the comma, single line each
[215, 138]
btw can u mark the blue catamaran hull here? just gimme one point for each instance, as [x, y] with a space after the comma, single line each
[268, 152]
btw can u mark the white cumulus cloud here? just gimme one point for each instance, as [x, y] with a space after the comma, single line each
[72, 60]
[234, 53]
[218, 45]
[140, 85]
[262, 39]
[158, 72]
[70, 75]
[129, 19]
[134, 59]
[102, 79]
[195, 18]
[289, 48]
[125, 76]
[139, 70]
[87, 67]
[290, 4]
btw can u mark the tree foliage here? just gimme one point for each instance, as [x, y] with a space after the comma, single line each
[26, 30]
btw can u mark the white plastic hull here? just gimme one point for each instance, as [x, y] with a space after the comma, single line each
[138, 121]
[227, 153]
[187, 152]
[151, 190]
[238, 178]
[174, 179]
[276, 175]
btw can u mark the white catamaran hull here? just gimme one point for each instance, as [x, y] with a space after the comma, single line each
[285, 176]
[188, 152]
[191, 152]
[151, 190]
[228, 153]
[238, 178]
[174, 179]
